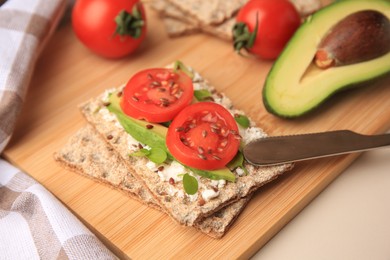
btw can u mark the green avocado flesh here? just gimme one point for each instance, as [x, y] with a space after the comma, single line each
[295, 86]
[155, 138]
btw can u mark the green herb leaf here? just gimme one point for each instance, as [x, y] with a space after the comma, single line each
[237, 162]
[190, 184]
[157, 155]
[202, 94]
[141, 152]
[242, 120]
[178, 65]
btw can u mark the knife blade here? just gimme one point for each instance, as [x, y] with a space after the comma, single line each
[286, 149]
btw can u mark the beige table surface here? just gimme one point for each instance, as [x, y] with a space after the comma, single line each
[348, 220]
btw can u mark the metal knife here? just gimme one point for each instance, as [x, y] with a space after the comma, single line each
[285, 149]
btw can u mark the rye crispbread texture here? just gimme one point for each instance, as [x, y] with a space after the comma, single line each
[186, 210]
[86, 153]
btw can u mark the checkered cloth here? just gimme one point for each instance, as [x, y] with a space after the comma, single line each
[33, 223]
[25, 26]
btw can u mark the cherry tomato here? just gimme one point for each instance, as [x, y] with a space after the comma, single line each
[204, 136]
[110, 28]
[157, 95]
[276, 20]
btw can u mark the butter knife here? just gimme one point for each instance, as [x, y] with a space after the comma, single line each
[285, 149]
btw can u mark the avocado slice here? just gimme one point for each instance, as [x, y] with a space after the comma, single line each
[155, 137]
[138, 129]
[294, 86]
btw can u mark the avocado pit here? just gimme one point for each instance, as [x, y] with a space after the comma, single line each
[359, 37]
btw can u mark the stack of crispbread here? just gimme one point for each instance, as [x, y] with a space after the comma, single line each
[101, 151]
[216, 17]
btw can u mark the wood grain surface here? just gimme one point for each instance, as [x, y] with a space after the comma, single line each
[68, 74]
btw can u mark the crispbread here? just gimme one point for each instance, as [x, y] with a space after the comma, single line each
[178, 23]
[209, 12]
[185, 209]
[307, 7]
[89, 155]
[176, 27]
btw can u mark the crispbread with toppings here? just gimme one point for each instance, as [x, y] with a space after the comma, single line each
[212, 195]
[89, 155]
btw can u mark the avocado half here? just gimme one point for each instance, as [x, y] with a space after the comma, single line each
[294, 85]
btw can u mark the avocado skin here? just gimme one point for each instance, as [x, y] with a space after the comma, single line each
[271, 110]
[272, 106]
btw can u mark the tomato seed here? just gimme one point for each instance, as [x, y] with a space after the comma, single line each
[201, 201]
[209, 98]
[224, 132]
[220, 150]
[156, 83]
[200, 150]
[234, 132]
[149, 126]
[210, 151]
[119, 94]
[223, 143]
[164, 101]
[109, 137]
[214, 130]
[179, 129]
[174, 91]
[192, 125]
[161, 168]
[171, 181]
[237, 136]
[150, 77]
[204, 133]
[161, 89]
[164, 82]
[135, 98]
[201, 156]
[214, 126]
[216, 157]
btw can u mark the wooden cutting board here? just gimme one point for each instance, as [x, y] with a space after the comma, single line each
[68, 74]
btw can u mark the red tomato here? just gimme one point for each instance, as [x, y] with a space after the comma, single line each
[104, 25]
[277, 21]
[157, 95]
[204, 136]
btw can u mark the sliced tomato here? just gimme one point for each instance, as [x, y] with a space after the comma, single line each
[157, 95]
[203, 136]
